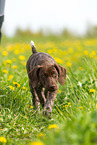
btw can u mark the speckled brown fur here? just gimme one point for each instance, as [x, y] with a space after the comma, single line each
[44, 74]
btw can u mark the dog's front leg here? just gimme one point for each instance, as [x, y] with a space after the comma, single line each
[35, 99]
[41, 96]
[49, 103]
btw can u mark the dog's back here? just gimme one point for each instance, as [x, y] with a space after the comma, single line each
[38, 58]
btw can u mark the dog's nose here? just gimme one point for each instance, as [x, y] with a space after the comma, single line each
[52, 87]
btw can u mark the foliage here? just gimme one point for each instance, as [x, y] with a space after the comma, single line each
[74, 117]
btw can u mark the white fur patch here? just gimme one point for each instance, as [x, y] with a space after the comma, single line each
[32, 43]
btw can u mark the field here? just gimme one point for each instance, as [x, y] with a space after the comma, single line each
[74, 116]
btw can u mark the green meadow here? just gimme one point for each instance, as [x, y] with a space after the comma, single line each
[74, 116]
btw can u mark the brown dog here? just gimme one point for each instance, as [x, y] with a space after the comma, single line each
[44, 74]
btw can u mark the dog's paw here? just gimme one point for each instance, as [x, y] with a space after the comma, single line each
[47, 111]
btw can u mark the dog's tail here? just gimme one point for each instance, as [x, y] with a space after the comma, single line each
[33, 47]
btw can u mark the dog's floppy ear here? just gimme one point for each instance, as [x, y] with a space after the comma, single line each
[33, 75]
[62, 74]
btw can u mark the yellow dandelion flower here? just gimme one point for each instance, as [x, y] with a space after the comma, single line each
[11, 87]
[24, 63]
[96, 106]
[58, 60]
[8, 61]
[16, 84]
[93, 53]
[10, 77]
[92, 91]
[49, 51]
[22, 57]
[4, 53]
[95, 57]
[22, 50]
[85, 52]
[3, 139]
[14, 67]
[36, 143]
[67, 105]
[24, 88]
[28, 105]
[80, 107]
[53, 126]
[80, 68]
[4, 62]
[59, 91]
[16, 51]
[31, 107]
[5, 71]
[40, 135]
[68, 64]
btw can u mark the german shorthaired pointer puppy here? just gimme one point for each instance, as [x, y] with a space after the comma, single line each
[44, 74]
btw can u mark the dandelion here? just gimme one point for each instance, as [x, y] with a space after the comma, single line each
[22, 57]
[22, 50]
[68, 64]
[85, 52]
[95, 57]
[92, 91]
[3, 139]
[58, 60]
[4, 62]
[24, 63]
[80, 107]
[49, 51]
[59, 91]
[14, 67]
[67, 105]
[40, 135]
[16, 51]
[11, 87]
[31, 107]
[23, 88]
[28, 105]
[36, 143]
[8, 61]
[4, 53]
[16, 84]
[53, 126]
[96, 106]
[5, 71]
[93, 53]
[10, 77]
[80, 68]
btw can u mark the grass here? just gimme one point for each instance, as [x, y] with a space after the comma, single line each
[74, 116]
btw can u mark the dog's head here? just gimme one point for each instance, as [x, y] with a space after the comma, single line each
[48, 76]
